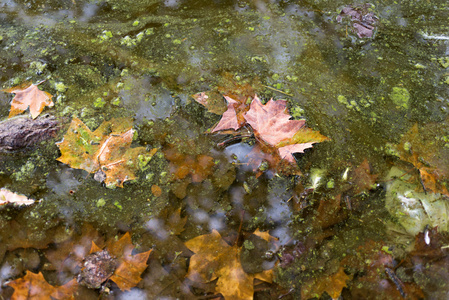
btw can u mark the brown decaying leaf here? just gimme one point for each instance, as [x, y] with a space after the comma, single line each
[213, 101]
[428, 153]
[28, 95]
[130, 267]
[156, 190]
[372, 266]
[362, 19]
[332, 284]
[362, 178]
[8, 197]
[214, 258]
[34, 286]
[183, 165]
[102, 149]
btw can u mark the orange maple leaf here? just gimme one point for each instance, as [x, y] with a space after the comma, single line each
[34, 286]
[214, 258]
[129, 266]
[28, 95]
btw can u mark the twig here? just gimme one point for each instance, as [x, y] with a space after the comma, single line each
[279, 91]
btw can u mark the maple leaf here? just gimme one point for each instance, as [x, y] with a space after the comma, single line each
[229, 119]
[278, 135]
[34, 286]
[214, 258]
[108, 149]
[427, 150]
[129, 267]
[273, 124]
[28, 95]
[332, 284]
[8, 197]
[68, 255]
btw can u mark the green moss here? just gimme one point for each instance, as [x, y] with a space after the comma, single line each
[248, 245]
[101, 202]
[444, 62]
[99, 103]
[400, 97]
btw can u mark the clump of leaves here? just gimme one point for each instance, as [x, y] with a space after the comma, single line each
[106, 151]
[214, 258]
[277, 135]
[117, 261]
[34, 286]
[28, 95]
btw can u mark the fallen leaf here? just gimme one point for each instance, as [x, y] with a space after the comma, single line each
[425, 147]
[332, 284]
[362, 178]
[199, 167]
[28, 95]
[34, 286]
[362, 19]
[213, 101]
[8, 197]
[273, 124]
[214, 258]
[68, 255]
[277, 135]
[106, 150]
[174, 223]
[129, 267]
[229, 119]
[156, 190]
[376, 278]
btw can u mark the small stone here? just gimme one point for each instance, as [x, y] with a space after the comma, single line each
[96, 269]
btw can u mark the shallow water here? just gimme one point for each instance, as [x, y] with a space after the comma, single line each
[144, 60]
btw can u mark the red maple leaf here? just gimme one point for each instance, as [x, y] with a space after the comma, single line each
[278, 135]
[272, 124]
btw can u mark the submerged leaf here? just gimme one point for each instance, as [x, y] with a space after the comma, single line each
[34, 286]
[214, 258]
[128, 267]
[332, 284]
[426, 148]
